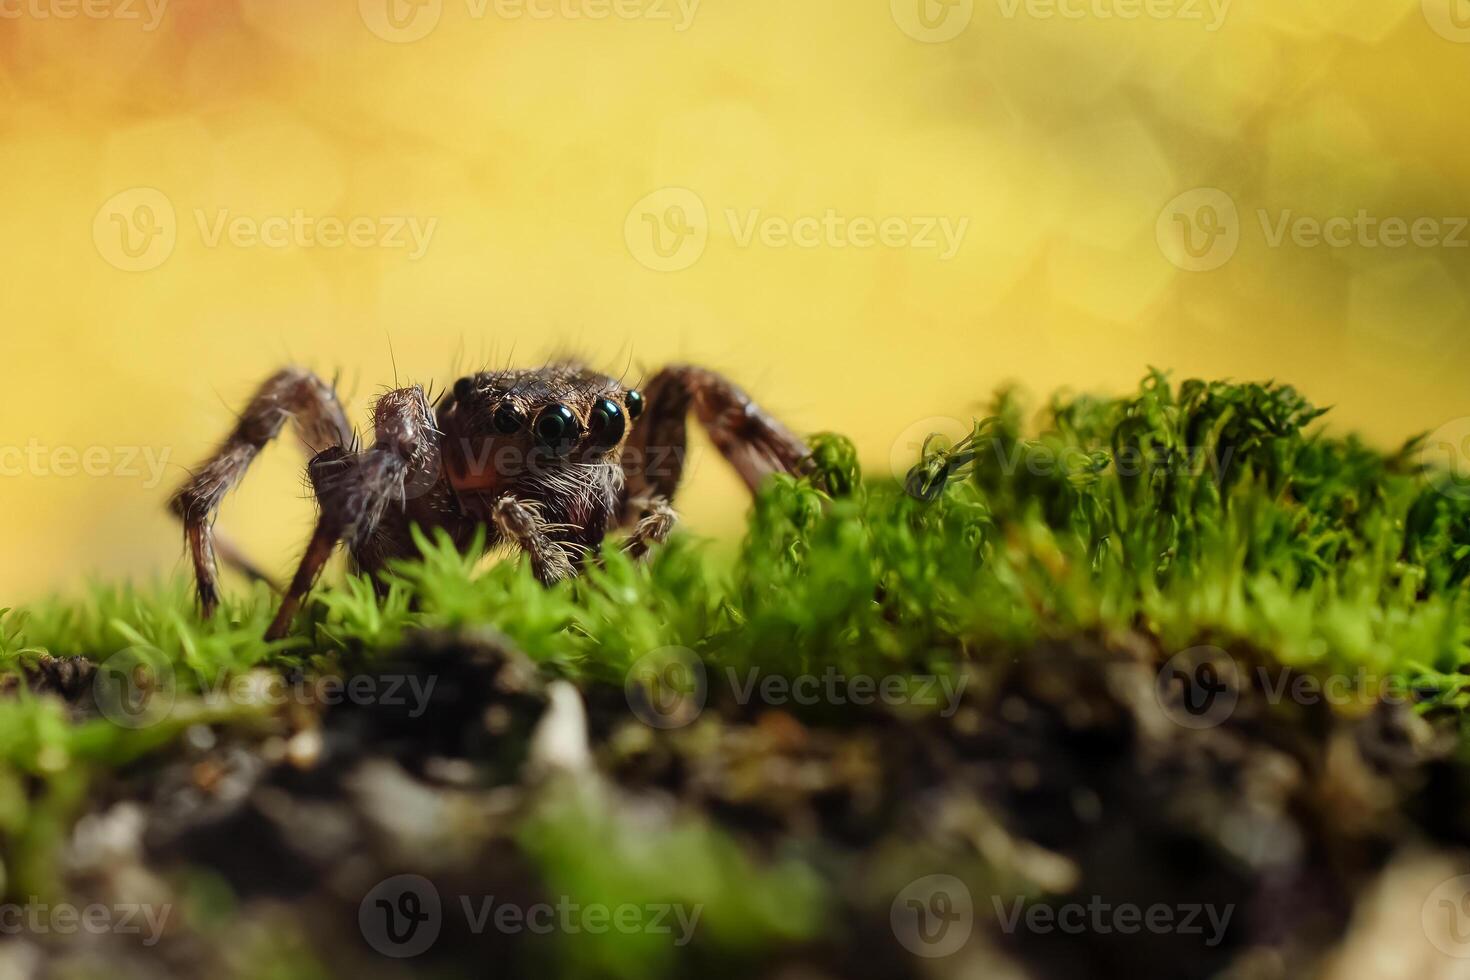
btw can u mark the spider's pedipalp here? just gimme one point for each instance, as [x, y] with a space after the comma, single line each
[355, 491]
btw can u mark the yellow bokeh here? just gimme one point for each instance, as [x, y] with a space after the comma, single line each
[896, 205]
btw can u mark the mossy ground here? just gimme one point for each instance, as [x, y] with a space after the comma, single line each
[1017, 562]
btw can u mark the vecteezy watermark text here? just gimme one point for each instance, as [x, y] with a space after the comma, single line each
[1045, 459]
[669, 230]
[668, 688]
[1363, 230]
[934, 916]
[36, 918]
[938, 21]
[1210, 13]
[832, 229]
[402, 917]
[407, 21]
[836, 688]
[149, 12]
[137, 230]
[1201, 687]
[301, 230]
[1200, 230]
[35, 458]
[1101, 917]
[137, 688]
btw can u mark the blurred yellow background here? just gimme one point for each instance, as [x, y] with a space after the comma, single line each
[870, 213]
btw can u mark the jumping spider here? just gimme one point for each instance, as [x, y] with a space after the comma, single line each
[547, 460]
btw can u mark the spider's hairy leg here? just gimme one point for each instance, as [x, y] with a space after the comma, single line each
[656, 519]
[290, 394]
[355, 490]
[521, 524]
[752, 441]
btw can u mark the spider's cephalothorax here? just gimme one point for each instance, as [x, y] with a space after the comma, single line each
[546, 460]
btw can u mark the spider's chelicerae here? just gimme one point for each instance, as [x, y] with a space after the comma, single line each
[547, 460]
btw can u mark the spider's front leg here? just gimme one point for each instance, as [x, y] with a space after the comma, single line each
[750, 439]
[291, 394]
[354, 492]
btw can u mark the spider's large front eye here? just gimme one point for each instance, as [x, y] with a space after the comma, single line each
[508, 419]
[557, 429]
[606, 424]
[635, 403]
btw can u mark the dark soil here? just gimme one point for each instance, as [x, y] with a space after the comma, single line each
[1061, 777]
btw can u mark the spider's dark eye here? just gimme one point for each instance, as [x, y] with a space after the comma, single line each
[635, 403]
[508, 419]
[464, 389]
[557, 429]
[606, 423]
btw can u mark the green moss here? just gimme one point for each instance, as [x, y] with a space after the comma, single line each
[1203, 510]
[1206, 512]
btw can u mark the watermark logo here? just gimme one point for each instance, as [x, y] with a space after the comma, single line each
[933, 916]
[402, 916]
[667, 687]
[401, 21]
[1199, 687]
[136, 230]
[1445, 456]
[135, 687]
[1445, 916]
[480, 463]
[668, 230]
[1450, 19]
[949, 452]
[932, 21]
[1199, 231]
